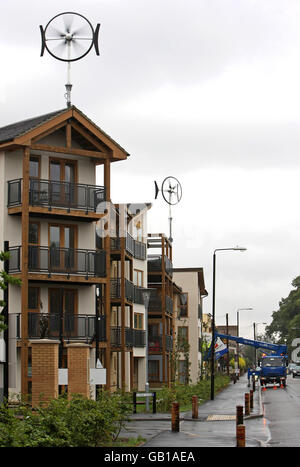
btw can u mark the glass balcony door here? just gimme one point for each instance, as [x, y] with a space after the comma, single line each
[63, 174]
[62, 242]
[62, 311]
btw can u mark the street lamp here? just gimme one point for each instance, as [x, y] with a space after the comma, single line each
[237, 344]
[212, 375]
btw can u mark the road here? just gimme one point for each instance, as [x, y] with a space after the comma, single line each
[282, 414]
[278, 427]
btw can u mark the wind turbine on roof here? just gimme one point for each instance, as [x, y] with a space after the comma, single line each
[68, 37]
[171, 191]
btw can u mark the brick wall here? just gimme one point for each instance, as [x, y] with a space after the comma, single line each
[44, 370]
[79, 369]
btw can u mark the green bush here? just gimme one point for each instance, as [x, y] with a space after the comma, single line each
[79, 422]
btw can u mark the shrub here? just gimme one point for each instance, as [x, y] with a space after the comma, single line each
[78, 422]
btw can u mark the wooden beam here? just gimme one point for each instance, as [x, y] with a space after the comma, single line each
[48, 132]
[27, 137]
[123, 347]
[24, 273]
[107, 178]
[70, 151]
[118, 152]
[107, 302]
[69, 136]
[100, 146]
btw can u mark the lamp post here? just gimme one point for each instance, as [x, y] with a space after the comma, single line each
[212, 374]
[237, 344]
[146, 297]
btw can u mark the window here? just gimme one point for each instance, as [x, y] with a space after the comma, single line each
[34, 231]
[34, 241]
[138, 321]
[34, 167]
[33, 298]
[182, 333]
[153, 370]
[138, 231]
[138, 278]
[183, 305]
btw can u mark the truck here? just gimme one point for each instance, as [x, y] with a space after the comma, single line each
[273, 367]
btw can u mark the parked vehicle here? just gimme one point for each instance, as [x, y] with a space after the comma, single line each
[296, 371]
[290, 367]
[273, 367]
[273, 370]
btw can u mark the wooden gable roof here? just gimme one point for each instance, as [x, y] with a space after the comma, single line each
[91, 139]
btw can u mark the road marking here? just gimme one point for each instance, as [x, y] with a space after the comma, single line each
[212, 418]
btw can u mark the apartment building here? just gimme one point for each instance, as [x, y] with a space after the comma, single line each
[189, 295]
[160, 314]
[80, 297]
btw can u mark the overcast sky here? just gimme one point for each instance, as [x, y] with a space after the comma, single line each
[203, 90]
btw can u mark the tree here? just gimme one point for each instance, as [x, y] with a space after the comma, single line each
[4, 280]
[285, 325]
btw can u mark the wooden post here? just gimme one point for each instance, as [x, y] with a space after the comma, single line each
[251, 399]
[175, 416]
[195, 407]
[239, 415]
[24, 273]
[247, 403]
[240, 436]
[123, 298]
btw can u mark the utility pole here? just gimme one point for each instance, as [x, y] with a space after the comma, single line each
[227, 344]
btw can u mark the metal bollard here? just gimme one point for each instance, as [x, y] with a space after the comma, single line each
[247, 403]
[175, 416]
[240, 436]
[194, 406]
[251, 399]
[239, 415]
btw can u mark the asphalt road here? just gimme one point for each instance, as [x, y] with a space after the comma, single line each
[282, 414]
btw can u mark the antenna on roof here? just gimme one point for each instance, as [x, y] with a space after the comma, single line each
[68, 37]
[172, 193]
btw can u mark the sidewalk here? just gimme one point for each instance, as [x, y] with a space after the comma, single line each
[215, 426]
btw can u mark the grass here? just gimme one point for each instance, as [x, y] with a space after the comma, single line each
[128, 442]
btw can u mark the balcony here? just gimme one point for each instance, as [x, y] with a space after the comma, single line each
[133, 337]
[156, 304]
[48, 195]
[155, 264]
[133, 293]
[64, 326]
[135, 248]
[155, 343]
[69, 327]
[66, 261]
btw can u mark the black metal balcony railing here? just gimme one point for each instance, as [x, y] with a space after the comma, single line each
[65, 326]
[155, 264]
[133, 293]
[50, 260]
[133, 337]
[137, 249]
[48, 193]
[68, 327]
